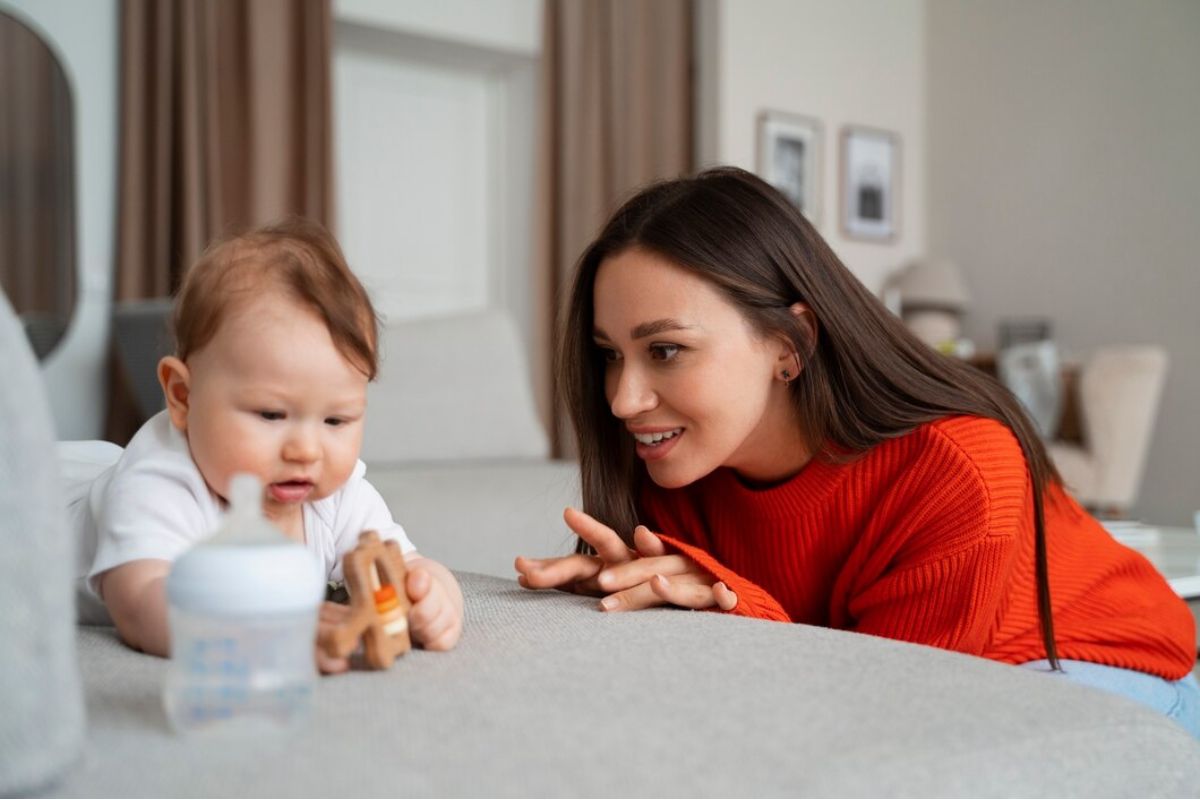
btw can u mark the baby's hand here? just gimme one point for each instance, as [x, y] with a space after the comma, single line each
[332, 615]
[435, 619]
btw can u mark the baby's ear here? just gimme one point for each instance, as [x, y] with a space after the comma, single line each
[174, 376]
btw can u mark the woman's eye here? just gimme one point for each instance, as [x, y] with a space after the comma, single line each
[608, 354]
[664, 352]
[271, 416]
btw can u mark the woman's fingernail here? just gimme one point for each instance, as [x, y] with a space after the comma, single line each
[604, 578]
[609, 603]
[664, 580]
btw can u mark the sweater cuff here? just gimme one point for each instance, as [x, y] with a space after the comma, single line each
[753, 600]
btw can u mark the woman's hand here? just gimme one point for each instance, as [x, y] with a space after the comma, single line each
[577, 572]
[627, 579]
[658, 579]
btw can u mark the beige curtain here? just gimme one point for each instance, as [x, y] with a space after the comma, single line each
[616, 113]
[225, 123]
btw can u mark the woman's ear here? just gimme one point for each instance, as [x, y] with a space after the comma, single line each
[809, 320]
[789, 362]
[174, 376]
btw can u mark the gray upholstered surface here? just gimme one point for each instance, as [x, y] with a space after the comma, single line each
[547, 696]
[41, 707]
[476, 516]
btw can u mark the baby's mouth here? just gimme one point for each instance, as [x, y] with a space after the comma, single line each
[290, 491]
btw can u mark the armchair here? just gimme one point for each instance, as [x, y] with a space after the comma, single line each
[1119, 393]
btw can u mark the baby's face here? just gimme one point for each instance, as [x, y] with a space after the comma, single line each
[271, 395]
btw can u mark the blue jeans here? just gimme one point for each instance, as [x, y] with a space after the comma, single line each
[1178, 700]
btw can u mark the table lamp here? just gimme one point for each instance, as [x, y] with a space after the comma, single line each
[932, 297]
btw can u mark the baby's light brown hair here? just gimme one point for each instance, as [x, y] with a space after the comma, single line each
[296, 255]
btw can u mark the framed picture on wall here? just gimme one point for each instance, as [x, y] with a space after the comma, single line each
[870, 184]
[789, 158]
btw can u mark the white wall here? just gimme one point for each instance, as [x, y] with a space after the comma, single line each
[84, 37]
[434, 107]
[507, 25]
[1066, 182]
[849, 62]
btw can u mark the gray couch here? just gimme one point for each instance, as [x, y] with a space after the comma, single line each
[544, 695]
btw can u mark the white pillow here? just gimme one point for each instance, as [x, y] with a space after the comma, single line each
[452, 388]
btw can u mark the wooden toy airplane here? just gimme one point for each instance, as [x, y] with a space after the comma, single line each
[378, 604]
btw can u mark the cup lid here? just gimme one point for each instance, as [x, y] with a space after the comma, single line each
[245, 579]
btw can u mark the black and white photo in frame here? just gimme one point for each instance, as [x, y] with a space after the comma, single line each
[870, 183]
[789, 158]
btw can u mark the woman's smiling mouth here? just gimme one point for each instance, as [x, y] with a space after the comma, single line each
[653, 445]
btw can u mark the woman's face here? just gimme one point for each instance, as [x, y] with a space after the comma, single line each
[694, 384]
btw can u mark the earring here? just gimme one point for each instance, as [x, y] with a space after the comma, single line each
[786, 374]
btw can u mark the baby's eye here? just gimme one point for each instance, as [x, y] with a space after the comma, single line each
[271, 416]
[334, 422]
[664, 352]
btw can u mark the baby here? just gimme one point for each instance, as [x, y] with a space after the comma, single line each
[275, 345]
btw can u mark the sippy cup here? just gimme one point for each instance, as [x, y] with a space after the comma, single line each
[243, 608]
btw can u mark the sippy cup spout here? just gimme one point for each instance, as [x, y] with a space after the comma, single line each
[245, 495]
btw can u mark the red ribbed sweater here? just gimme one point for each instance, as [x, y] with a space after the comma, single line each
[929, 538]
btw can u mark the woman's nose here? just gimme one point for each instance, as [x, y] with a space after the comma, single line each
[630, 393]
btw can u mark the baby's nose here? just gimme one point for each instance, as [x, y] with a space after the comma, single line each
[301, 446]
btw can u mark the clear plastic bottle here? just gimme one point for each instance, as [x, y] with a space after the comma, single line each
[243, 610]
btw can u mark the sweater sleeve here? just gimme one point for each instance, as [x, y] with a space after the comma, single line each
[947, 550]
[753, 600]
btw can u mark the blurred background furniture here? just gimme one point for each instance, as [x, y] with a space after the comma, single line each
[1029, 366]
[142, 335]
[1119, 393]
[930, 295]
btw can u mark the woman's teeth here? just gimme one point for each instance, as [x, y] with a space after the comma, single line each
[655, 438]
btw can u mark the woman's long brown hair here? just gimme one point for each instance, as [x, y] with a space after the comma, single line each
[866, 378]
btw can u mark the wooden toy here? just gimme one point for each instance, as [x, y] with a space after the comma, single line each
[378, 604]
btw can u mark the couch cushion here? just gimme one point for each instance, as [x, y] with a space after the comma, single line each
[452, 387]
[478, 516]
[546, 696]
[41, 722]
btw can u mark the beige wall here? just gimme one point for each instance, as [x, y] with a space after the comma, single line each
[853, 61]
[1064, 176]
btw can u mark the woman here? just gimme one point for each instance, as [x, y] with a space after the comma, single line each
[802, 457]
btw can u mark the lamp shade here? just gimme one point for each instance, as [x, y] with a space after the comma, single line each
[932, 283]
